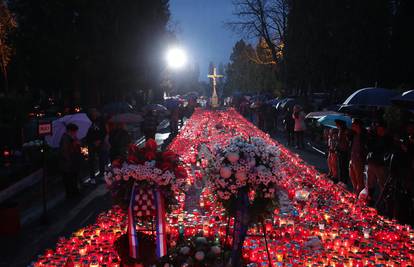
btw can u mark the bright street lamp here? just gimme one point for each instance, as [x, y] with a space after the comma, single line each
[176, 58]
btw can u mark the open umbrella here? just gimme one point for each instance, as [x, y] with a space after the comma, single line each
[273, 102]
[171, 103]
[405, 99]
[285, 103]
[59, 127]
[371, 97]
[319, 114]
[329, 120]
[128, 118]
[262, 97]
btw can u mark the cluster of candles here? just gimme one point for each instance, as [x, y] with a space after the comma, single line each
[324, 226]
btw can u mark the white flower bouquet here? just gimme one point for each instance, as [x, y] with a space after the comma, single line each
[250, 166]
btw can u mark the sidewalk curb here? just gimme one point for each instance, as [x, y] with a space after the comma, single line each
[28, 181]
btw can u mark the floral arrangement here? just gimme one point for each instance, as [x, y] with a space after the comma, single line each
[148, 168]
[249, 165]
[196, 251]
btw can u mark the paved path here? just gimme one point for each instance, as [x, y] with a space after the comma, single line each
[310, 154]
[65, 216]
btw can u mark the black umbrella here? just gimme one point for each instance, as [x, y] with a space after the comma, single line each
[370, 97]
[172, 103]
[285, 104]
[405, 99]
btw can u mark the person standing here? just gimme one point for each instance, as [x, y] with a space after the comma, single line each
[358, 156]
[192, 104]
[119, 141]
[106, 146]
[261, 115]
[150, 124]
[174, 117]
[377, 171]
[395, 200]
[289, 127]
[299, 117]
[244, 105]
[95, 140]
[342, 151]
[275, 116]
[332, 156]
[69, 160]
[269, 118]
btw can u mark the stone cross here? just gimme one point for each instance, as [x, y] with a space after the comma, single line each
[214, 98]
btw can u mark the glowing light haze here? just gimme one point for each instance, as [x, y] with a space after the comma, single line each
[201, 30]
[176, 58]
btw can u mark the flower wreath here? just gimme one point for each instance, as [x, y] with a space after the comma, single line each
[147, 168]
[251, 166]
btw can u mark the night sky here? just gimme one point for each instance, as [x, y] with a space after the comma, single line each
[201, 30]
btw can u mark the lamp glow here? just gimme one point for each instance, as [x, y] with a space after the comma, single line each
[176, 58]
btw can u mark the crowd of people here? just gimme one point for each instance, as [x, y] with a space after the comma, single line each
[107, 141]
[267, 117]
[376, 163]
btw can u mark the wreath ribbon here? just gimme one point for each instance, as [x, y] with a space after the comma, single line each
[241, 225]
[160, 223]
[132, 233]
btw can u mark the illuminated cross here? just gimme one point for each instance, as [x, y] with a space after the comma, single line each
[214, 98]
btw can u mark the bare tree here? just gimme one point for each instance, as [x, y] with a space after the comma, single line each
[263, 19]
[7, 24]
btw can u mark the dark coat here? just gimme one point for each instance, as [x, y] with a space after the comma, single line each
[69, 154]
[96, 132]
